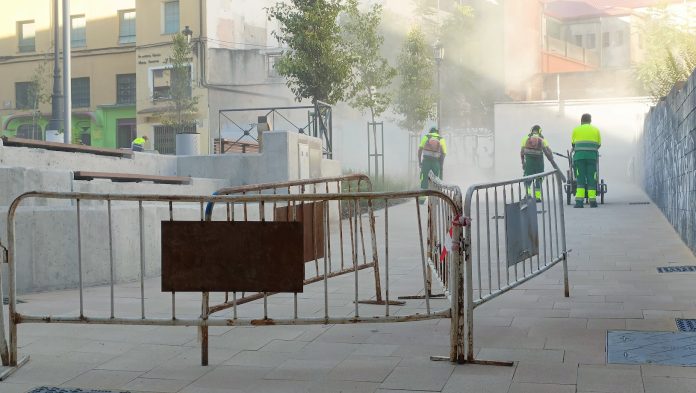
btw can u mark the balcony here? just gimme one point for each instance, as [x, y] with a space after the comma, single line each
[563, 56]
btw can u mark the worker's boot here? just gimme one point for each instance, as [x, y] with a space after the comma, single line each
[593, 203]
[578, 204]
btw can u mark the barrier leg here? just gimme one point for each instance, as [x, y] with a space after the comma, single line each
[203, 329]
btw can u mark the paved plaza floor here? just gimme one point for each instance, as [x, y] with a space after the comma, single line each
[557, 343]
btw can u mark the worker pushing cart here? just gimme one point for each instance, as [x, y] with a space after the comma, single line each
[586, 141]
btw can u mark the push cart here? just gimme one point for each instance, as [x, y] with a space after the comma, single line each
[571, 185]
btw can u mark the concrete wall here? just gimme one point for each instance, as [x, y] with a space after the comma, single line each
[668, 159]
[619, 120]
[46, 248]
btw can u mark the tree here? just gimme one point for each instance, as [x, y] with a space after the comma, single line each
[317, 64]
[372, 74]
[38, 92]
[669, 54]
[181, 114]
[415, 97]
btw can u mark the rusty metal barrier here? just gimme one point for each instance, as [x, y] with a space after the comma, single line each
[338, 184]
[509, 240]
[291, 309]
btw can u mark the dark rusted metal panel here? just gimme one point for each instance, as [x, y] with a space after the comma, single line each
[311, 215]
[205, 256]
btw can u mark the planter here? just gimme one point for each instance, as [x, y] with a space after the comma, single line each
[54, 136]
[188, 144]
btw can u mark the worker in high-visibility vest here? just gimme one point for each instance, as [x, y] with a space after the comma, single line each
[139, 143]
[534, 148]
[432, 150]
[586, 143]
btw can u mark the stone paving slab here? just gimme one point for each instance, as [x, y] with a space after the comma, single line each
[557, 343]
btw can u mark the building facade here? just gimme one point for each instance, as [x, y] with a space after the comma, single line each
[120, 68]
[103, 70]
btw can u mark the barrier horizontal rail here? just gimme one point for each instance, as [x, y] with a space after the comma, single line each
[192, 208]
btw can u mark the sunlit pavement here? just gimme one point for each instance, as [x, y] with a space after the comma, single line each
[557, 343]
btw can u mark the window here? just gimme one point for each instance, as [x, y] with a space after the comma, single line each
[606, 39]
[126, 23]
[578, 40]
[125, 89]
[78, 33]
[23, 95]
[590, 41]
[272, 60]
[171, 17]
[26, 32]
[80, 92]
[165, 138]
[619, 40]
[30, 131]
[164, 78]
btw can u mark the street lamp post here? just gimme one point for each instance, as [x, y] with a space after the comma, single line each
[439, 54]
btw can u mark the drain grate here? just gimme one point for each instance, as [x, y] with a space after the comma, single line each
[638, 203]
[49, 389]
[665, 348]
[676, 269]
[686, 325]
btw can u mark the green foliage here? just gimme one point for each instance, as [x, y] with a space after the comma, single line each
[39, 92]
[670, 55]
[415, 98]
[182, 112]
[372, 74]
[318, 65]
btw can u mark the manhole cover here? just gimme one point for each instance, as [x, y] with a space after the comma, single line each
[665, 348]
[48, 389]
[676, 269]
[686, 325]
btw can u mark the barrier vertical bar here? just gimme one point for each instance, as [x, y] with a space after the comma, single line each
[386, 253]
[478, 244]
[79, 260]
[142, 259]
[111, 259]
[497, 236]
[325, 233]
[171, 219]
[423, 264]
[488, 243]
[355, 256]
[566, 286]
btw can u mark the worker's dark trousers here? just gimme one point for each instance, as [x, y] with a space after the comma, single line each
[586, 175]
[429, 164]
[532, 165]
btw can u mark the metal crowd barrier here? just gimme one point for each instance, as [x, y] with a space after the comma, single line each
[509, 240]
[338, 184]
[293, 310]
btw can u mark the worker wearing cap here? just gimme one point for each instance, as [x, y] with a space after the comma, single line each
[139, 143]
[586, 142]
[534, 148]
[432, 150]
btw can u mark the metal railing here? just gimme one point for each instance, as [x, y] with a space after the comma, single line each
[493, 265]
[243, 127]
[163, 311]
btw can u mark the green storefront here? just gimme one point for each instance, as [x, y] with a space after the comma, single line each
[110, 126]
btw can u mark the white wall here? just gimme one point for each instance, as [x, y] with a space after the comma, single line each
[619, 120]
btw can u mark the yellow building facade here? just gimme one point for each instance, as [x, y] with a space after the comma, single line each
[119, 62]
